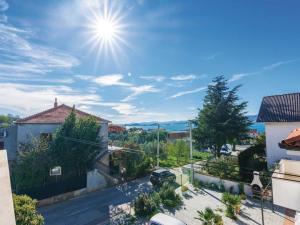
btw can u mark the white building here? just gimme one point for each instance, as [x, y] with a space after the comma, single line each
[281, 115]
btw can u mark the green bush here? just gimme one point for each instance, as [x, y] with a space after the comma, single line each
[233, 204]
[145, 205]
[197, 183]
[168, 196]
[208, 217]
[222, 187]
[213, 186]
[184, 188]
[25, 211]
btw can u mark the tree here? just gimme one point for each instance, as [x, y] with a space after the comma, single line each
[222, 119]
[25, 211]
[75, 144]
[32, 167]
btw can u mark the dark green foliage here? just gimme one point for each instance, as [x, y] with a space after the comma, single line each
[71, 149]
[252, 159]
[168, 196]
[222, 187]
[208, 217]
[222, 119]
[145, 205]
[25, 211]
[32, 168]
[224, 167]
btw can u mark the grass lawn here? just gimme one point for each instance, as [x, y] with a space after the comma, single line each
[172, 160]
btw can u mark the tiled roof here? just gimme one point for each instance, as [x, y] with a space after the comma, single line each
[56, 115]
[280, 108]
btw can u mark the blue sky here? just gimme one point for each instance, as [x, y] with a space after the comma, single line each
[156, 67]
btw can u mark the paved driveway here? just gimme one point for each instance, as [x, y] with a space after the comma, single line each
[250, 210]
[93, 208]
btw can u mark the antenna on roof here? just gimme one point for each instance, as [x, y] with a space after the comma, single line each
[55, 103]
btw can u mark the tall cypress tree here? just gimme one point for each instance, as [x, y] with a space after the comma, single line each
[223, 117]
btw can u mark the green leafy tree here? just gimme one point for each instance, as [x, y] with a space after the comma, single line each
[222, 119]
[179, 150]
[75, 144]
[25, 211]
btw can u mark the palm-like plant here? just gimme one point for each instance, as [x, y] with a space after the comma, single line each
[208, 217]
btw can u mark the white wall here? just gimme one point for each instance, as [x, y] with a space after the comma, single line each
[275, 133]
[7, 214]
[228, 184]
[289, 198]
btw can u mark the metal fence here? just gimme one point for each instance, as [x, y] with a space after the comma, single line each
[58, 187]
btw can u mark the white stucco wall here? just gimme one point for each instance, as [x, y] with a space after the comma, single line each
[26, 132]
[276, 132]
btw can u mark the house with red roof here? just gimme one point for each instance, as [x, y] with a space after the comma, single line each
[44, 124]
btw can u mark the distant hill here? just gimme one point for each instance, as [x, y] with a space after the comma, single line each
[182, 125]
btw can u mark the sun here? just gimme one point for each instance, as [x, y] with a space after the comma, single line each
[106, 30]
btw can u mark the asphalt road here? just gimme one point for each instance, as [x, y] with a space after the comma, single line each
[93, 208]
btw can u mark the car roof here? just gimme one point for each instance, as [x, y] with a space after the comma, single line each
[160, 170]
[166, 220]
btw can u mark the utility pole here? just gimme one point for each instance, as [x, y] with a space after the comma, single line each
[191, 153]
[157, 153]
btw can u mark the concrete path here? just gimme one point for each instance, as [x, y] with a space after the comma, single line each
[93, 208]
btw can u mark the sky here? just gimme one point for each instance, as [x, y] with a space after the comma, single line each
[144, 60]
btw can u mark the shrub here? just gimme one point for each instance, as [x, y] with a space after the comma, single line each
[233, 204]
[184, 188]
[197, 183]
[241, 188]
[25, 211]
[213, 186]
[208, 217]
[222, 187]
[168, 196]
[145, 205]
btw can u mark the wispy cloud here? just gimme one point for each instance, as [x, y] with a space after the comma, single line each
[239, 76]
[179, 94]
[154, 78]
[111, 80]
[19, 56]
[139, 90]
[184, 77]
[211, 57]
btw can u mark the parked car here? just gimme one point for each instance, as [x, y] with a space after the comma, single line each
[226, 149]
[158, 177]
[163, 219]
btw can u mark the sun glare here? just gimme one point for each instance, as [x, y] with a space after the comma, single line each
[106, 30]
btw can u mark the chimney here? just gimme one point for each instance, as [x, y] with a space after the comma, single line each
[55, 103]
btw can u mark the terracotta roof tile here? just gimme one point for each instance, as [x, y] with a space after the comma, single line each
[56, 115]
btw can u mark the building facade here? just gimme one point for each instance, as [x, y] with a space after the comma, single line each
[281, 115]
[44, 124]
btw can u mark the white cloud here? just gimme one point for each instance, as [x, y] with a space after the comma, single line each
[28, 99]
[20, 57]
[239, 76]
[111, 80]
[139, 90]
[155, 78]
[3, 5]
[179, 94]
[184, 77]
